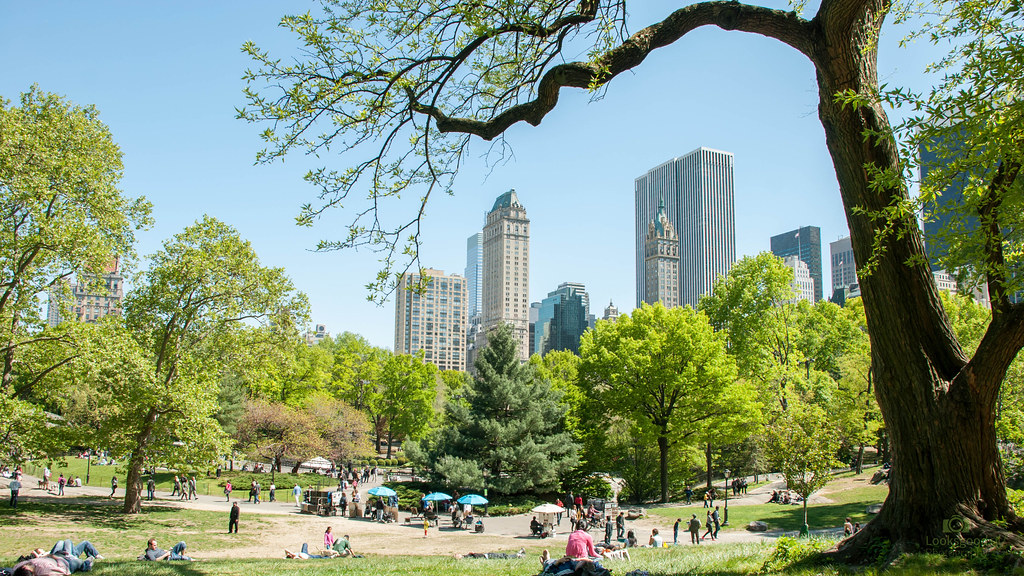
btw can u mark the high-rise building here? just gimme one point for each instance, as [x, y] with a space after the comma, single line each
[698, 194]
[804, 243]
[611, 312]
[506, 269]
[433, 320]
[939, 216]
[317, 335]
[92, 297]
[562, 319]
[803, 284]
[474, 272]
[661, 260]
[844, 268]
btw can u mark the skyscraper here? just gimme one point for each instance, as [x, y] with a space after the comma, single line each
[804, 243]
[611, 312]
[803, 284]
[474, 272]
[434, 321]
[92, 297]
[844, 268]
[506, 269]
[661, 260]
[563, 317]
[698, 194]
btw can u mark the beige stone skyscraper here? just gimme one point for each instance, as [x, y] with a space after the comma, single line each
[661, 260]
[506, 274]
[434, 321]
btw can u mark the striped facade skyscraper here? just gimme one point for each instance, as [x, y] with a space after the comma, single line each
[434, 321]
[698, 191]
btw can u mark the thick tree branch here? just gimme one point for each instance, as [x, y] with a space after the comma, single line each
[784, 26]
[988, 211]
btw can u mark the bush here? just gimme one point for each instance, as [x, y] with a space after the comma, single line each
[789, 551]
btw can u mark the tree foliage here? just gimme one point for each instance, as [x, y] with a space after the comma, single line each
[509, 434]
[198, 296]
[63, 218]
[667, 372]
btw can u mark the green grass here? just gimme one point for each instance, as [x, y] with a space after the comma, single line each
[205, 484]
[717, 560]
[116, 535]
[850, 503]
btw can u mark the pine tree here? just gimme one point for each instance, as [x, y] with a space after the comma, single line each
[511, 426]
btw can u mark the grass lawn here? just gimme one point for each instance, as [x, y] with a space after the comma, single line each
[850, 502]
[116, 535]
[101, 475]
[723, 560]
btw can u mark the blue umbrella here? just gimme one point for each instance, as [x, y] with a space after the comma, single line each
[382, 491]
[436, 497]
[473, 500]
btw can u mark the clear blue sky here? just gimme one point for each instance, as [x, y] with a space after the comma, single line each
[166, 78]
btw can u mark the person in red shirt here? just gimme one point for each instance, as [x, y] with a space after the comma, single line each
[580, 545]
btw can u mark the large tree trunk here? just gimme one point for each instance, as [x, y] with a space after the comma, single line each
[133, 483]
[938, 408]
[663, 463]
[707, 464]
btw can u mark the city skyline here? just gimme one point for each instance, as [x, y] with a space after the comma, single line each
[167, 84]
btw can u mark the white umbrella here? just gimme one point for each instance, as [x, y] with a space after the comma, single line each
[548, 509]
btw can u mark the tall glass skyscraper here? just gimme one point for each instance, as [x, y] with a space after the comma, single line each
[562, 319]
[475, 272]
[805, 244]
[698, 192]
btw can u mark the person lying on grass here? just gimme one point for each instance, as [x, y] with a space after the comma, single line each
[154, 554]
[493, 555]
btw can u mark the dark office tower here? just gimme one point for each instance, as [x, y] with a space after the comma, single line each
[805, 243]
[562, 318]
[939, 217]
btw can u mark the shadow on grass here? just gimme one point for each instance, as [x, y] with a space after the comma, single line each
[100, 512]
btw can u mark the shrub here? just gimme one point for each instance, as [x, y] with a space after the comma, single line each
[789, 551]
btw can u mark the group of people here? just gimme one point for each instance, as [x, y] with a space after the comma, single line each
[184, 487]
[785, 497]
[66, 558]
[333, 548]
[712, 524]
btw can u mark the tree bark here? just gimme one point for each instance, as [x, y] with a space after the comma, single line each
[938, 408]
[133, 483]
[707, 462]
[663, 464]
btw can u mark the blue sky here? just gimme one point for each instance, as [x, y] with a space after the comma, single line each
[166, 77]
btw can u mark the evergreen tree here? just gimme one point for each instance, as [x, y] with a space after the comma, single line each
[509, 435]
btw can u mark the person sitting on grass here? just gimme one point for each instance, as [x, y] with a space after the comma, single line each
[580, 543]
[342, 546]
[655, 540]
[154, 554]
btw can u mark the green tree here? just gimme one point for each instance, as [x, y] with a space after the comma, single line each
[407, 83]
[408, 388]
[277, 431]
[63, 219]
[667, 371]
[802, 444]
[509, 434]
[561, 369]
[187, 311]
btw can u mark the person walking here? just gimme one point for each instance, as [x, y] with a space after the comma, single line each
[176, 491]
[15, 487]
[620, 526]
[608, 527]
[256, 492]
[233, 517]
[694, 527]
[60, 484]
[710, 525]
[426, 526]
[192, 493]
[151, 488]
[227, 491]
[689, 495]
[113, 486]
[273, 491]
[707, 499]
[718, 522]
[297, 493]
[675, 532]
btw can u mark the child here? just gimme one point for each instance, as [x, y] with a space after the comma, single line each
[426, 526]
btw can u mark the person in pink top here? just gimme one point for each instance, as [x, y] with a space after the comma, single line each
[580, 545]
[328, 539]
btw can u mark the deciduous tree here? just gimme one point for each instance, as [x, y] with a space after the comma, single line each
[667, 371]
[402, 85]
